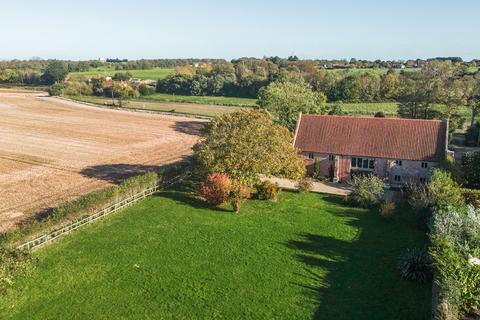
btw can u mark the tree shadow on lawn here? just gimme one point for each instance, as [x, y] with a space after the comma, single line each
[358, 279]
[190, 199]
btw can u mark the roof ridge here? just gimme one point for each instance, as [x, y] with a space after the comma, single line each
[371, 117]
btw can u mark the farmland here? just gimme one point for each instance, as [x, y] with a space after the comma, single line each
[307, 256]
[197, 109]
[153, 74]
[211, 106]
[52, 150]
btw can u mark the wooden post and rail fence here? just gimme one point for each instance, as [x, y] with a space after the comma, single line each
[69, 227]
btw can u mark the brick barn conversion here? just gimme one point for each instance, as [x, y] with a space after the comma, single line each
[398, 150]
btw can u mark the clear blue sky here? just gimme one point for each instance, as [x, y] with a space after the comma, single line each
[365, 29]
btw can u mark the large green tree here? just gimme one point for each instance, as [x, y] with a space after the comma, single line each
[245, 144]
[436, 85]
[286, 98]
[55, 71]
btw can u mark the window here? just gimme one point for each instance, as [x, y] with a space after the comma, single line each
[424, 165]
[423, 180]
[331, 157]
[363, 163]
[354, 162]
[398, 162]
[397, 178]
[311, 155]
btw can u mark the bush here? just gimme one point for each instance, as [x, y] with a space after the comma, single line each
[146, 90]
[55, 90]
[76, 88]
[387, 209]
[444, 192]
[304, 185]
[414, 266]
[471, 169]
[380, 114]
[472, 197]
[238, 195]
[216, 189]
[419, 197]
[367, 191]
[267, 191]
[13, 264]
[455, 237]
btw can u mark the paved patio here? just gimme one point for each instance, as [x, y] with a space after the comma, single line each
[317, 186]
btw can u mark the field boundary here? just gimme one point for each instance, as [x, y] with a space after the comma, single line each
[65, 229]
[176, 114]
[110, 209]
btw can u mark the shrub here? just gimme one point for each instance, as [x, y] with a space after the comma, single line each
[55, 89]
[13, 264]
[367, 191]
[304, 185]
[471, 169]
[76, 88]
[419, 197]
[387, 209]
[238, 195]
[380, 114]
[444, 192]
[267, 191]
[455, 233]
[414, 265]
[146, 90]
[216, 189]
[472, 197]
[316, 170]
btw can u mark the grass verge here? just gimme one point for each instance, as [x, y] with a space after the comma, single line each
[307, 256]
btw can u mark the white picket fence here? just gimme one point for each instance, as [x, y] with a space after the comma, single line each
[67, 228]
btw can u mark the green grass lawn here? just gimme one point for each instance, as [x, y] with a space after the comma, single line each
[215, 100]
[170, 257]
[389, 108]
[151, 105]
[152, 74]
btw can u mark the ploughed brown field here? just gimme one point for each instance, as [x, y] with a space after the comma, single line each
[52, 150]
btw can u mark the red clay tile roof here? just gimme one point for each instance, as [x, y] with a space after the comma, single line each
[392, 138]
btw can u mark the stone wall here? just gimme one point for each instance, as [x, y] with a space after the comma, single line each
[409, 171]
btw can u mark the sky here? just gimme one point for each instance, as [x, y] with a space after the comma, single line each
[340, 29]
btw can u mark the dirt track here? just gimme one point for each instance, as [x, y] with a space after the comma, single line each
[52, 150]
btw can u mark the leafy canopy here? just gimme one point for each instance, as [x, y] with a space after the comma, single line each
[246, 144]
[286, 98]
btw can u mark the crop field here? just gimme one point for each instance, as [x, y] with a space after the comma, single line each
[151, 74]
[53, 150]
[306, 256]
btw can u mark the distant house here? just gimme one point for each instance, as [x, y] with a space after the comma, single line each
[398, 150]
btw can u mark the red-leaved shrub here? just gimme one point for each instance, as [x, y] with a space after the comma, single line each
[216, 189]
